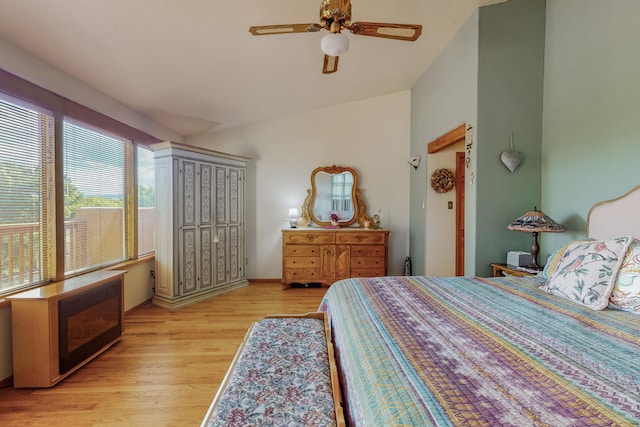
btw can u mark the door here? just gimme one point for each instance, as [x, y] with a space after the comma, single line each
[229, 218]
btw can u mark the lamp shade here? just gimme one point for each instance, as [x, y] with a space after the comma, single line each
[537, 221]
[293, 217]
[334, 44]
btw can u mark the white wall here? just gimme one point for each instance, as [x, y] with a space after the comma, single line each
[22, 64]
[372, 136]
[138, 284]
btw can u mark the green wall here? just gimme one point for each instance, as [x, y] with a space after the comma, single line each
[564, 77]
[510, 88]
[591, 144]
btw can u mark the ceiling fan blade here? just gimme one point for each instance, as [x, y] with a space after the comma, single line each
[262, 30]
[388, 31]
[330, 64]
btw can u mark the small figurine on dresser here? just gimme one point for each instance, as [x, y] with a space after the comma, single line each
[334, 219]
[376, 221]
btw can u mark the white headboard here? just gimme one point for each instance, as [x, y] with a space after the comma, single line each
[617, 217]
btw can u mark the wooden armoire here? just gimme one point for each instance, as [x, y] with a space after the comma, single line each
[200, 224]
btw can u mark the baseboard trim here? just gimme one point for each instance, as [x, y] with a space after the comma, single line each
[265, 280]
[7, 382]
[184, 301]
[136, 307]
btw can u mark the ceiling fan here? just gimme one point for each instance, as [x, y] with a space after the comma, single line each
[335, 15]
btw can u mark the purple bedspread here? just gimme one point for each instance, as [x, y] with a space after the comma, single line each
[426, 351]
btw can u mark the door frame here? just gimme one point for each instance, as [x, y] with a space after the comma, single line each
[455, 136]
[460, 191]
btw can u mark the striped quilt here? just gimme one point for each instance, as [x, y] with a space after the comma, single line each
[429, 351]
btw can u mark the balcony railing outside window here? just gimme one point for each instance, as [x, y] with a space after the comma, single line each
[19, 254]
[20, 247]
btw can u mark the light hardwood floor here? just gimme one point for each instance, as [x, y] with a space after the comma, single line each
[166, 369]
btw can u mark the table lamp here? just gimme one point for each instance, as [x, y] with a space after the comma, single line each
[535, 222]
[293, 217]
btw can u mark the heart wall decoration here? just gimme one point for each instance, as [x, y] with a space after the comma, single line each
[511, 158]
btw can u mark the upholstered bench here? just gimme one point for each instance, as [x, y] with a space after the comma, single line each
[284, 373]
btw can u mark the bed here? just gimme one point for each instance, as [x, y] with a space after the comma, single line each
[558, 349]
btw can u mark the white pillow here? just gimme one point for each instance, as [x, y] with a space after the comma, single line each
[586, 273]
[626, 291]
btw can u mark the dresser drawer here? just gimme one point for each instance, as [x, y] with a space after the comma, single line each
[309, 237]
[303, 262]
[302, 250]
[365, 237]
[368, 251]
[367, 272]
[367, 262]
[294, 275]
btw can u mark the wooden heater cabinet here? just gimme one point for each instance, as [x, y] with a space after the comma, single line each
[60, 327]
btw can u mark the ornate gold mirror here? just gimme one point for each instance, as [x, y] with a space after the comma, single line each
[334, 192]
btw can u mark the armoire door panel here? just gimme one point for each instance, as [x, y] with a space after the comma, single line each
[221, 255]
[234, 196]
[206, 190]
[188, 282]
[188, 192]
[221, 195]
[235, 254]
[206, 257]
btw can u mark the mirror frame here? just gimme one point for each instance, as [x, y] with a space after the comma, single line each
[359, 207]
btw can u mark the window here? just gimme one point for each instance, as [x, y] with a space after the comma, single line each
[26, 141]
[72, 184]
[145, 169]
[94, 202]
[341, 190]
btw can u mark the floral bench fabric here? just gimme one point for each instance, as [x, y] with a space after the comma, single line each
[281, 378]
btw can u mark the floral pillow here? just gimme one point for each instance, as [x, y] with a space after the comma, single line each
[626, 290]
[587, 271]
[556, 256]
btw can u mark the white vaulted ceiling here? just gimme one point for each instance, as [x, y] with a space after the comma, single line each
[193, 66]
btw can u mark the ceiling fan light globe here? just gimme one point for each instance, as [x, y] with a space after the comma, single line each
[334, 44]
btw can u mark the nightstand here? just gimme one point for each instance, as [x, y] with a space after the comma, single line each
[503, 269]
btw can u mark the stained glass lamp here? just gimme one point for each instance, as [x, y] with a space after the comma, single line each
[535, 222]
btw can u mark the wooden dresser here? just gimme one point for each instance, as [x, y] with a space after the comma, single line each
[319, 255]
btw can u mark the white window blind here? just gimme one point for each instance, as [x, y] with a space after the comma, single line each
[145, 169]
[94, 198]
[26, 144]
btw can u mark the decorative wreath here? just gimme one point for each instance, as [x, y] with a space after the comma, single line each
[443, 180]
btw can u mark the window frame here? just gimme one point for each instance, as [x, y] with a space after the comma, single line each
[64, 108]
